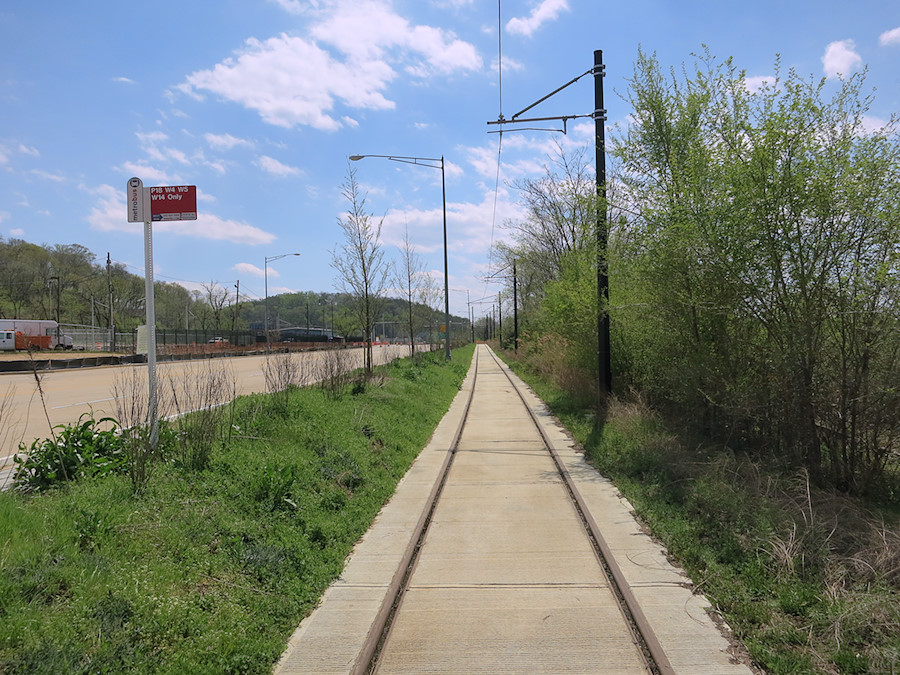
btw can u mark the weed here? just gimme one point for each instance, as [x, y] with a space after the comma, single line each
[808, 578]
[208, 571]
[82, 448]
[200, 401]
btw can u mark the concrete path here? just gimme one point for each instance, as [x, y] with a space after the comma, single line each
[506, 580]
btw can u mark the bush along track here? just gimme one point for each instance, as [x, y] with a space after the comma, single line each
[210, 570]
[808, 579]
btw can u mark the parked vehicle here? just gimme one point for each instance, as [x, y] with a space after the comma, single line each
[34, 334]
[7, 340]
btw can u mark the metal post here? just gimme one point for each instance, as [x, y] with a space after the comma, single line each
[603, 347]
[112, 326]
[515, 310]
[150, 307]
[446, 279]
[266, 327]
[499, 320]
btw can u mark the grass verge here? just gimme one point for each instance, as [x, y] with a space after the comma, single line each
[808, 579]
[209, 571]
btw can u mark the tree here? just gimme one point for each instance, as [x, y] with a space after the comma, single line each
[359, 261]
[217, 297]
[412, 281]
[551, 242]
[25, 278]
[763, 243]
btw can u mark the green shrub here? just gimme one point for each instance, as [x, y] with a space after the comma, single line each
[78, 449]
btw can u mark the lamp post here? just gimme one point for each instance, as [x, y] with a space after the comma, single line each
[420, 161]
[266, 274]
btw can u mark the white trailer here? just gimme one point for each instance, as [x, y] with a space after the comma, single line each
[36, 328]
[7, 340]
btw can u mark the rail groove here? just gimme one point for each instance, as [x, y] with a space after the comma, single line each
[377, 637]
[653, 654]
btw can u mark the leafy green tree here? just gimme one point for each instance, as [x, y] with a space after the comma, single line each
[764, 243]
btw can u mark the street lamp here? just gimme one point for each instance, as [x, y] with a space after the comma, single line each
[266, 274]
[420, 161]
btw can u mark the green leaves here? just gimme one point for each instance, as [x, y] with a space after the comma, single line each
[763, 233]
[83, 448]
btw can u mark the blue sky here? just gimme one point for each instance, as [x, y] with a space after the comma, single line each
[260, 103]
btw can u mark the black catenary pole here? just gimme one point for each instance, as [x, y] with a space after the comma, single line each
[515, 311]
[604, 370]
[599, 116]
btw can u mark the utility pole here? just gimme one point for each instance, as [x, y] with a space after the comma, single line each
[499, 320]
[604, 369]
[237, 304]
[112, 327]
[56, 279]
[515, 310]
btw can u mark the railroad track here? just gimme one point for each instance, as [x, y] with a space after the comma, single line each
[505, 569]
[380, 653]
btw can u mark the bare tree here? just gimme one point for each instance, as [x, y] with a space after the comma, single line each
[359, 260]
[217, 297]
[410, 279]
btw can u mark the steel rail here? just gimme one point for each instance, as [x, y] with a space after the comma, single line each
[646, 639]
[367, 660]
[642, 633]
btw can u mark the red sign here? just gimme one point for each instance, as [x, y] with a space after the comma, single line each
[177, 202]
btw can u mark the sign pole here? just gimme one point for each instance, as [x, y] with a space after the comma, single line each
[150, 305]
[146, 205]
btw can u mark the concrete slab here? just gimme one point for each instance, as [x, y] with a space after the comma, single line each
[506, 580]
[679, 616]
[510, 630]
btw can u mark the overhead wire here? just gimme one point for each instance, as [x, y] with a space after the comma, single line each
[500, 135]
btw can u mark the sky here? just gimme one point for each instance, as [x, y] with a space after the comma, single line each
[260, 103]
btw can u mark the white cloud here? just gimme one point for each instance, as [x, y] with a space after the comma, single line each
[290, 81]
[4, 215]
[370, 29]
[58, 178]
[252, 270]
[123, 80]
[25, 150]
[166, 154]
[151, 138]
[217, 166]
[890, 37]
[546, 11]
[874, 125]
[349, 58]
[149, 174]
[226, 141]
[757, 82]
[297, 6]
[17, 232]
[509, 65]
[276, 168]
[840, 58]
[110, 214]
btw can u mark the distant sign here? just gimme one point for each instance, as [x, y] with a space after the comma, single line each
[177, 202]
[134, 191]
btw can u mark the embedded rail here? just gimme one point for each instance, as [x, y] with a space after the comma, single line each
[377, 654]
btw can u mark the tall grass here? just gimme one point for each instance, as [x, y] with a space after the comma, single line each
[808, 578]
[209, 570]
